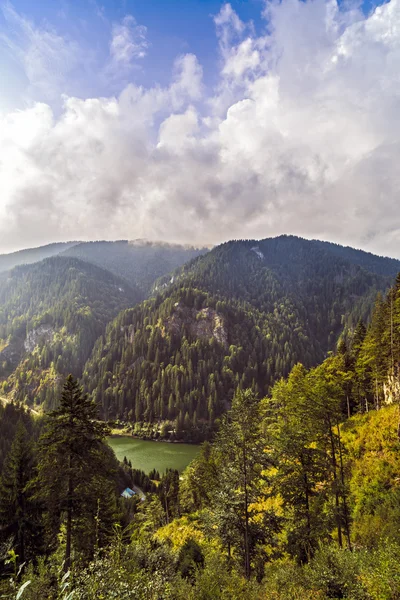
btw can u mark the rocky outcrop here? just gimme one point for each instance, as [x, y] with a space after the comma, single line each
[204, 324]
[391, 390]
[43, 332]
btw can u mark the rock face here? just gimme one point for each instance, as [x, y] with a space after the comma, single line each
[391, 390]
[44, 332]
[205, 323]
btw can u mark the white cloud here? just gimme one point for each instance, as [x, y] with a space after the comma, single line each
[301, 135]
[128, 41]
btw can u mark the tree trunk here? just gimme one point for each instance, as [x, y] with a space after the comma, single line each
[67, 561]
[398, 421]
[166, 508]
[345, 508]
[246, 515]
[335, 481]
[308, 517]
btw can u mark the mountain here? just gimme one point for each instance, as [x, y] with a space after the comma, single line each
[51, 313]
[304, 482]
[32, 255]
[140, 262]
[242, 315]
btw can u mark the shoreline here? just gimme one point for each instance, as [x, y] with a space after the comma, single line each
[143, 439]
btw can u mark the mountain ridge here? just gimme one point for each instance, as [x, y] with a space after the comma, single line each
[281, 300]
[272, 302]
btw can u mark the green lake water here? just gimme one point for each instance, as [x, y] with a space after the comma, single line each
[147, 455]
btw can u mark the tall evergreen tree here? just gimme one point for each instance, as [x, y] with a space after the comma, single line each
[301, 463]
[19, 517]
[241, 456]
[71, 462]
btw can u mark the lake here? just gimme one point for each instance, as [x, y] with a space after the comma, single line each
[147, 455]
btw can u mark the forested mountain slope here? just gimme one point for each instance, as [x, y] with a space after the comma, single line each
[242, 315]
[297, 496]
[51, 313]
[324, 277]
[32, 255]
[140, 262]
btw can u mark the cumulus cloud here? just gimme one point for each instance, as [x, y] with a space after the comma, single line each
[301, 135]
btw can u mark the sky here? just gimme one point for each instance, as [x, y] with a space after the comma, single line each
[199, 121]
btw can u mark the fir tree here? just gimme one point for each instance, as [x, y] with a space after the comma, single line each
[240, 447]
[19, 517]
[71, 460]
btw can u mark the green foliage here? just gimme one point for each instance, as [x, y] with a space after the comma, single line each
[335, 573]
[292, 500]
[75, 475]
[304, 426]
[374, 457]
[11, 416]
[51, 313]
[19, 514]
[199, 480]
[190, 560]
[229, 319]
[241, 458]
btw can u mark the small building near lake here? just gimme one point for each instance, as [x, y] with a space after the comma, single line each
[128, 493]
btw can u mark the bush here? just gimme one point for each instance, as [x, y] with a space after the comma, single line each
[286, 580]
[381, 572]
[336, 573]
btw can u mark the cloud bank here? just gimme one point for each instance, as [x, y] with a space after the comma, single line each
[301, 135]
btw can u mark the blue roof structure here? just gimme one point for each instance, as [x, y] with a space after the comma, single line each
[128, 493]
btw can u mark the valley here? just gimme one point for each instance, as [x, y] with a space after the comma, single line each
[232, 418]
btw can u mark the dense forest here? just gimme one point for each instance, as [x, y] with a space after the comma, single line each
[297, 496]
[51, 313]
[239, 317]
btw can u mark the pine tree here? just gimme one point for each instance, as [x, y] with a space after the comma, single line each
[71, 455]
[301, 463]
[19, 516]
[168, 492]
[240, 448]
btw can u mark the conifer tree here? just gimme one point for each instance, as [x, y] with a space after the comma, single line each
[240, 448]
[301, 463]
[19, 517]
[71, 459]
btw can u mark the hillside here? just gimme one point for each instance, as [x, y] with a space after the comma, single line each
[297, 496]
[242, 315]
[140, 262]
[317, 273]
[51, 313]
[32, 255]
[291, 500]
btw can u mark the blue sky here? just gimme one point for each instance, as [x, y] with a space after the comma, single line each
[173, 27]
[199, 121]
